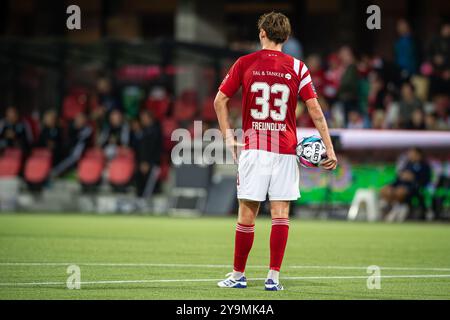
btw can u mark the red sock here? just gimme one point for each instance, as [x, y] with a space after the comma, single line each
[278, 240]
[242, 245]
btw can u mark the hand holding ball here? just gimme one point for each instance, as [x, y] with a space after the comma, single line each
[311, 151]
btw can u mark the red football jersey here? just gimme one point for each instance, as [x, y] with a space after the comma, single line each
[271, 81]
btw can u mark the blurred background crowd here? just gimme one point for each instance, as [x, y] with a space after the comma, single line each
[137, 70]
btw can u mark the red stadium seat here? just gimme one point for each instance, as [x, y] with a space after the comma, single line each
[158, 107]
[121, 168]
[90, 171]
[90, 168]
[9, 167]
[208, 112]
[11, 162]
[37, 167]
[120, 171]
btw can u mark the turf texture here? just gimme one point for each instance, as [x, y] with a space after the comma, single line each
[147, 257]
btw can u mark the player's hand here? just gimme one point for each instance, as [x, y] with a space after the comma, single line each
[330, 163]
[233, 146]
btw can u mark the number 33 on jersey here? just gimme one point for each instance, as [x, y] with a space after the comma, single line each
[271, 82]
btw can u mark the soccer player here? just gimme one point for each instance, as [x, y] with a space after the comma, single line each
[271, 82]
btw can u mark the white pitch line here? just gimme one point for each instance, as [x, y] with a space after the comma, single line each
[5, 284]
[184, 265]
[107, 264]
[365, 268]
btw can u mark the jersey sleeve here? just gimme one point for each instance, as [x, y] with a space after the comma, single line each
[232, 81]
[306, 89]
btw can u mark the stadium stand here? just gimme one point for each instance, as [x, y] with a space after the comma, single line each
[184, 110]
[158, 106]
[74, 103]
[208, 113]
[168, 126]
[136, 78]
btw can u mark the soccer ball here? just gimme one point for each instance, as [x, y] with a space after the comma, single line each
[311, 151]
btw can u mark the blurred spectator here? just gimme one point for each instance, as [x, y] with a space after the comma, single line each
[348, 88]
[99, 117]
[314, 64]
[431, 122]
[293, 47]
[417, 121]
[303, 118]
[132, 97]
[104, 102]
[364, 65]
[115, 133]
[408, 104]
[440, 58]
[135, 134]
[14, 133]
[332, 77]
[413, 175]
[379, 120]
[392, 111]
[105, 95]
[148, 155]
[355, 120]
[377, 92]
[405, 49]
[51, 135]
[158, 92]
[78, 139]
[441, 104]
[326, 109]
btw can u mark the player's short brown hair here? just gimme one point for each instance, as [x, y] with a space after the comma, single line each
[276, 25]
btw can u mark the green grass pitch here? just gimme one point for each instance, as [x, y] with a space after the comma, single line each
[146, 257]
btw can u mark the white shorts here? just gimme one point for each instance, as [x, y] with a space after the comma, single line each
[261, 172]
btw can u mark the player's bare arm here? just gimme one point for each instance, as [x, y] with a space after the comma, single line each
[221, 108]
[316, 114]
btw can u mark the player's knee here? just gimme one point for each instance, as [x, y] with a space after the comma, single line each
[279, 209]
[246, 218]
[248, 211]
